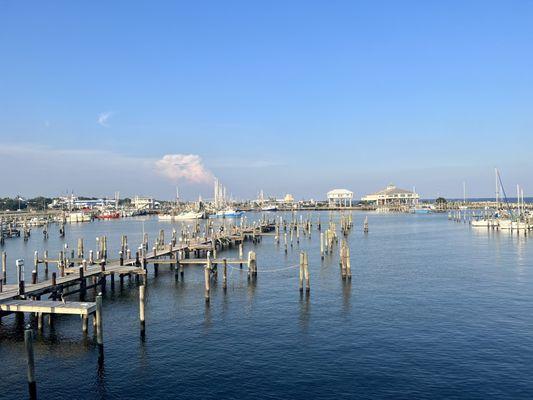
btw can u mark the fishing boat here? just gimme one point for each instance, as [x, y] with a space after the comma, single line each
[75, 217]
[184, 216]
[269, 207]
[108, 215]
[228, 213]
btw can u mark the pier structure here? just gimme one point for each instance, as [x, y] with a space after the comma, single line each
[77, 275]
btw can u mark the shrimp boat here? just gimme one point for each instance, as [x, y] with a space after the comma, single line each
[228, 213]
[184, 216]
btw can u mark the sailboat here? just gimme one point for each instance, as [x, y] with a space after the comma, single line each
[181, 216]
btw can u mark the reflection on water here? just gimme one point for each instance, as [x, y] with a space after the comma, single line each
[305, 310]
[346, 296]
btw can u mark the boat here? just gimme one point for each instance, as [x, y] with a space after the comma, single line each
[509, 224]
[484, 223]
[228, 213]
[108, 215]
[75, 217]
[184, 216]
[421, 209]
[269, 208]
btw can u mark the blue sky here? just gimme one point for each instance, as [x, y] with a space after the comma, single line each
[287, 96]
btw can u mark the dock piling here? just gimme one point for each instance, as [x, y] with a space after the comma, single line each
[99, 331]
[141, 311]
[28, 343]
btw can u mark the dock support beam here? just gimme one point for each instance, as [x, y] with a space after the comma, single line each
[207, 272]
[28, 342]
[99, 332]
[141, 312]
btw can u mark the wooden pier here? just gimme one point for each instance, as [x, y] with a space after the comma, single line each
[80, 276]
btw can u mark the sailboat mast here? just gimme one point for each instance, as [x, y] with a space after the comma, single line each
[497, 188]
[518, 199]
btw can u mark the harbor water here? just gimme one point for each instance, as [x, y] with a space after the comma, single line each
[435, 309]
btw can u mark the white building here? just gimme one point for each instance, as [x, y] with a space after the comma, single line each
[392, 195]
[340, 197]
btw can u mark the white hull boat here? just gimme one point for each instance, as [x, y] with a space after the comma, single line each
[184, 216]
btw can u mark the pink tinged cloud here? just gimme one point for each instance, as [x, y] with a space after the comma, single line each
[179, 167]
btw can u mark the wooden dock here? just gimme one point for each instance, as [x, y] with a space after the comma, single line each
[84, 276]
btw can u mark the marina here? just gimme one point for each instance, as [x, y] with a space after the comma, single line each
[266, 200]
[358, 242]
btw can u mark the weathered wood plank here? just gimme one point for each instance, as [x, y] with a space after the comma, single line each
[49, 307]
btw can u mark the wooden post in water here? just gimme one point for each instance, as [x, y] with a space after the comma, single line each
[80, 247]
[61, 264]
[36, 262]
[28, 344]
[348, 265]
[252, 264]
[306, 274]
[83, 284]
[301, 281]
[45, 257]
[225, 275]
[99, 329]
[322, 245]
[292, 234]
[4, 267]
[141, 311]
[365, 225]
[40, 321]
[20, 276]
[207, 283]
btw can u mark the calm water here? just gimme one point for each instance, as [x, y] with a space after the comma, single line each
[434, 310]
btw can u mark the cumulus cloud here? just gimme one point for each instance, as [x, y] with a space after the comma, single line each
[103, 118]
[187, 167]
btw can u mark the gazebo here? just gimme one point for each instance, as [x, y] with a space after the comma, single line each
[340, 198]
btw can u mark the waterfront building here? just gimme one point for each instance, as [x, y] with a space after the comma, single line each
[392, 196]
[340, 198]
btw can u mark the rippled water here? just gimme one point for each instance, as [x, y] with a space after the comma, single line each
[435, 309]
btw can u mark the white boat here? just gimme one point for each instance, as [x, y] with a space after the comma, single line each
[507, 224]
[184, 216]
[228, 213]
[421, 209]
[269, 208]
[75, 217]
[484, 223]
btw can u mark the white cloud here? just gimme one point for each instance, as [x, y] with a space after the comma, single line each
[103, 118]
[187, 167]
